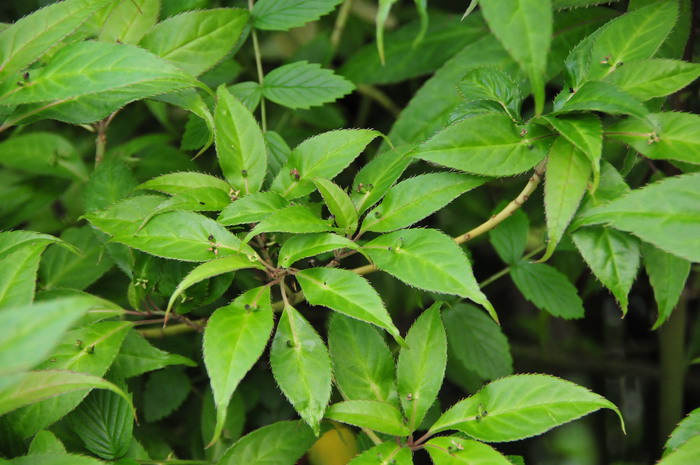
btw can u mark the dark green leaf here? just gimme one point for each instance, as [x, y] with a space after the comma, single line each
[510, 237]
[43, 153]
[165, 391]
[110, 182]
[136, 356]
[548, 289]
[281, 15]
[667, 275]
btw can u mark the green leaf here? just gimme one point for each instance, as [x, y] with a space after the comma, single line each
[490, 145]
[477, 341]
[28, 39]
[181, 183]
[29, 333]
[104, 423]
[55, 459]
[281, 443]
[43, 153]
[566, 179]
[633, 36]
[89, 350]
[239, 143]
[97, 69]
[63, 268]
[45, 442]
[110, 182]
[667, 275]
[415, 198]
[548, 289]
[599, 96]
[36, 386]
[510, 237]
[301, 366]
[191, 101]
[234, 339]
[296, 219]
[304, 85]
[375, 415]
[197, 40]
[383, 10]
[277, 154]
[11, 241]
[646, 79]
[453, 450]
[252, 208]
[688, 428]
[308, 245]
[339, 205]
[282, 15]
[688, 452]
[524, 27]
[585, 132]
[386, 453]
[671, 226]
[494, 85]
[613, 256]
[136, 356]
[18, 275]
[125, 216]
[362, 363]
[427, 259]
[165, 391]
[249, 93]
[542, 402]
[322, 156]
[210, 269]
[404, 59]
[199, 199]
[376, 177]
[347, 293]
[421, 365]
[127, 22]
[661, 136]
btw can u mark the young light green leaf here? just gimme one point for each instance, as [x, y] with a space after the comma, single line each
[136, 356]
[125, 216]
[662, 136]
[688, 452]
[524, 27]
[490, 145]
[362, 363]
[633, 36]
[599, 96]
[282, 15]
[347, 293]
[427, 259]
[585, 131]
[566, 179]
[301, 366]
[383, 10]
[510, 237]
[18, 273]
[43, 153]
[304, 85]
[421, 365]
[339, 204]
[386, 453]
[453, 450]
[45, 442]
[234, 339]
[671, 226]
[209, 270]
[36, 386]
[494, 85]
[667, 275]
[197, 199]
[281, 443]
[376, 177]
[688, 428]
[181, 183]
[548, 289]
[197, 40]
[375, 415]
[28, 39]
[477, 341]
[97, 69]
[296, 219]
[104, 423]
[252, 208]
[165, 392]
[646, 79]
[413, 199]
[542, 402]
[128, 22]
[613, 256]
[29, 333]
[240, 145]
[308, 245]
[322, 156]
